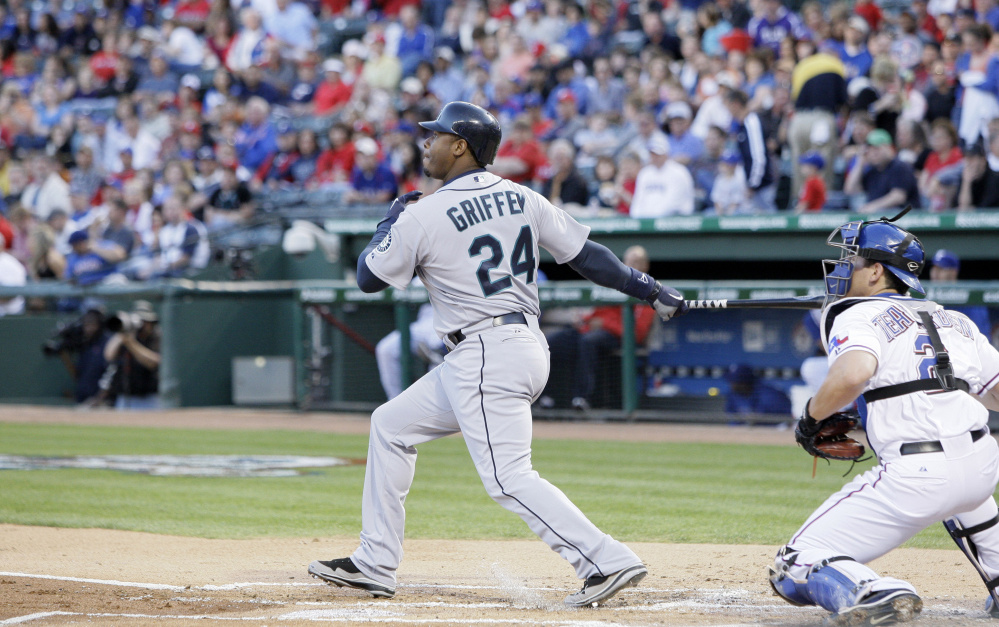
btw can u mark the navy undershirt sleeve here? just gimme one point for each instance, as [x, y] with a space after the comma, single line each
[366, 279]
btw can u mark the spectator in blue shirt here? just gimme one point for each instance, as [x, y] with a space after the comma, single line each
[774, 25]
[577, 33]
[372, 181]
[88, 265]
[886, 181]
[853, 51]
[684, 146]
[414, 41]
[255, 138]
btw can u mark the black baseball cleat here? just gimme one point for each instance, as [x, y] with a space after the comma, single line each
[880, 608]
[343, 572]
[597, 589]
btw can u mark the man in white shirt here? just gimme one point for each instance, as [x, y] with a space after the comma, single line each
[664, 187]
[11, 273]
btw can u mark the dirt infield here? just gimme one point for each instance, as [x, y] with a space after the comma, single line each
[104, 577]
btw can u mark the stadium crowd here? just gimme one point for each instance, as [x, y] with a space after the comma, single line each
[130, 131]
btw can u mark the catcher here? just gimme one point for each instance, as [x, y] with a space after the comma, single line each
[924, 376]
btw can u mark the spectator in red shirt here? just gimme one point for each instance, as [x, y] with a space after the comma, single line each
[812, 196]
[105, 62]
[520, 157]
[192, 14]
[579, 349]
[332, 94]
[336, 162]
[933, 182]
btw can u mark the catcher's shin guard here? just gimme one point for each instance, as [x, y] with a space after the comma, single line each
[962, 537]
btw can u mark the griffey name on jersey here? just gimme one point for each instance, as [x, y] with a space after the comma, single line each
[480, 208]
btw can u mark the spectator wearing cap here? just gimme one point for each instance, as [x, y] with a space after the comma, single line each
[728, 190]
[945, 266]
[818, 88]
[565, 78]
[294, 25]
[382, 70]
[246, 41]
[812, 196]
[568, 120]
[774, 24]
[12, 274]
[207, 173]
[409, 40]
[332, 94]
[521, 156]
[255, 139]
[605, 92]
[447, 81]
[565, 186]
[757, 160]
[88, 264]
[663, 187]
[684, 146]
[230, 204]
[372, 181]
[885, 181]
[336, 162]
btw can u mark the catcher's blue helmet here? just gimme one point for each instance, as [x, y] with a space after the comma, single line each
[899, 251]
[472, 123]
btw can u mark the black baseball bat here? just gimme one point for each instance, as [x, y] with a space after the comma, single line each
[794, 302]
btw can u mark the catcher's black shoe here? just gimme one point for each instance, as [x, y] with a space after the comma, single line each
[343, 572]
[597, 588]
[880, 608]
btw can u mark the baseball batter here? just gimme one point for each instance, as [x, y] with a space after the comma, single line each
[924, 376]
[474, 245]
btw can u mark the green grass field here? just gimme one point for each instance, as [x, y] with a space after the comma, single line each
[696, 493]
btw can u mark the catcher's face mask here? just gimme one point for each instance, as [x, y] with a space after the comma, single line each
[839, 272]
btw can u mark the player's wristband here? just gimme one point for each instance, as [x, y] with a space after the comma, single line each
[641, 285]
[808, 425]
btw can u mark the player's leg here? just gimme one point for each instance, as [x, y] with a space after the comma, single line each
[420, 414]
[500, 372]
[387, 353]
[825, 562]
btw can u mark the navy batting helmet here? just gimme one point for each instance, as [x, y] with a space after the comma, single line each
[472, 123]
[899, 251]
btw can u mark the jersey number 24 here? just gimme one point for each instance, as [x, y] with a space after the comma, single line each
[522, 261]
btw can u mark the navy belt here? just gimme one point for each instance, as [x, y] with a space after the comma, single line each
[498, 321]
[934, 446]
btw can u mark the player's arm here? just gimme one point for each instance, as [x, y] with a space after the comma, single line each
[596, 263]
[846, 380]
[366, 279]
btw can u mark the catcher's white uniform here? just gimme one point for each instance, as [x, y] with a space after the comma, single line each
[474, 245]
[913, 486]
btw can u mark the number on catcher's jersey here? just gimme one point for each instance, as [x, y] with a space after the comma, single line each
[521, 262]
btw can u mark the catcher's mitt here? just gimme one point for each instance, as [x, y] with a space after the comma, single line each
[827, 439]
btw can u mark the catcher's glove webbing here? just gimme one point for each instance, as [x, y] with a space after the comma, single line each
[828, 438]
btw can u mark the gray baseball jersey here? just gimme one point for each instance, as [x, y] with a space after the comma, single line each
[474, 244]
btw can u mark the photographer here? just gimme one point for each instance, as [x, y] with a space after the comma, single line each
[134, 352]
[85, 338]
